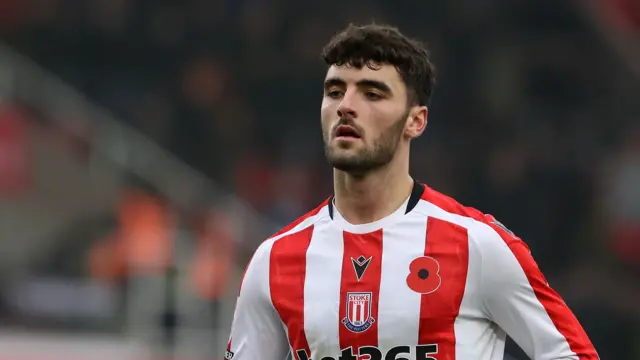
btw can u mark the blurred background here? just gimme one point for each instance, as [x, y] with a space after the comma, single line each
[148, 146]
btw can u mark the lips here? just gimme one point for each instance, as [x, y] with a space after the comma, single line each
[346, 131]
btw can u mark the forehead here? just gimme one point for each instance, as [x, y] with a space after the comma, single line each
[384, 73]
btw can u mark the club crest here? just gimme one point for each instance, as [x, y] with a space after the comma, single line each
[359, 316]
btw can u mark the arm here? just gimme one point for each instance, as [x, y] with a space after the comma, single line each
[256, 331]
[517, 297]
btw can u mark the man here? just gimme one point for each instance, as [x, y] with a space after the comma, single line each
[388, 268]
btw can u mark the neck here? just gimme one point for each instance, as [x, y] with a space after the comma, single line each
[373, 196]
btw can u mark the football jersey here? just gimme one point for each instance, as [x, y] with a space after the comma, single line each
[432, 281]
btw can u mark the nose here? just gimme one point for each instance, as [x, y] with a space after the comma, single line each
[346, 108]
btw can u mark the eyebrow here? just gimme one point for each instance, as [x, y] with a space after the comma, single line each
[364, 83]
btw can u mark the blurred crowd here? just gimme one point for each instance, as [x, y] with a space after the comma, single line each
[534, 120]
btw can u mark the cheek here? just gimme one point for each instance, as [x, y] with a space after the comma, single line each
[391, 117]
[328, 108]
[381, 119]
[327, 114]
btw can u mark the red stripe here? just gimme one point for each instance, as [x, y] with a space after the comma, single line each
[560, 314]
[356, 245]
[448, 244]
[287, 273]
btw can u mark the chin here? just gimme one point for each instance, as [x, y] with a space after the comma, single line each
[342, 154]
[344, 144]
[350, 164]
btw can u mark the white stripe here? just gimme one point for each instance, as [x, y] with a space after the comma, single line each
[322, 290]
[399, 306]
[470, 330]
[261, 263]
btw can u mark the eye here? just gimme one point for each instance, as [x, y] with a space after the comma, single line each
[372, 95]
[333, 93]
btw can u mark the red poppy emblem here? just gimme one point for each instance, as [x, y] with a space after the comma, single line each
[424, 276]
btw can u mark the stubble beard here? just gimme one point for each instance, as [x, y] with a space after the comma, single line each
[367, 159]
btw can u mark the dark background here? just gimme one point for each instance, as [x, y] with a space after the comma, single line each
[198, 132]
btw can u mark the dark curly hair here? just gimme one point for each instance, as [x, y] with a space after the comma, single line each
[373, 45]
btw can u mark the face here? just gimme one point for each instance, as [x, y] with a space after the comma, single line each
[365, 116]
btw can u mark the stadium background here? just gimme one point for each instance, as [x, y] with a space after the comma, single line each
[148, 146]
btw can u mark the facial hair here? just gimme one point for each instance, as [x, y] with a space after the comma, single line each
[367, 159]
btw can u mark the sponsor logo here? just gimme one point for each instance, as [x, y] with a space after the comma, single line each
[419, 352]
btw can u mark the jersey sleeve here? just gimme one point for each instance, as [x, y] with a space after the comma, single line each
[257, 331]
[517, 297]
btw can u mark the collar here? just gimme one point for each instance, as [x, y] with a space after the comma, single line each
[416, 194]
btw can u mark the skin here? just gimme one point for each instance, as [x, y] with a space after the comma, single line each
[371, 173]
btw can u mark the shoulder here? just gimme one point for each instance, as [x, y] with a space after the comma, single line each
[302, 223]
[484, 229]
[260, 261]
[502, 258]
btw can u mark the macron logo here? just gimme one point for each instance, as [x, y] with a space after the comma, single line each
[360, 265]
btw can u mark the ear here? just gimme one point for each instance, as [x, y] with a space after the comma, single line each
[416, 122]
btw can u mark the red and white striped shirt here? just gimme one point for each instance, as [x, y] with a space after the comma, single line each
[432, 281]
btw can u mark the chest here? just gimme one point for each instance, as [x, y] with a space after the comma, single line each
[401, 285]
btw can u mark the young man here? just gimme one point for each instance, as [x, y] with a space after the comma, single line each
[387, 268]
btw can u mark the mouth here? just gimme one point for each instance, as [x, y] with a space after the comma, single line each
[346, 132]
